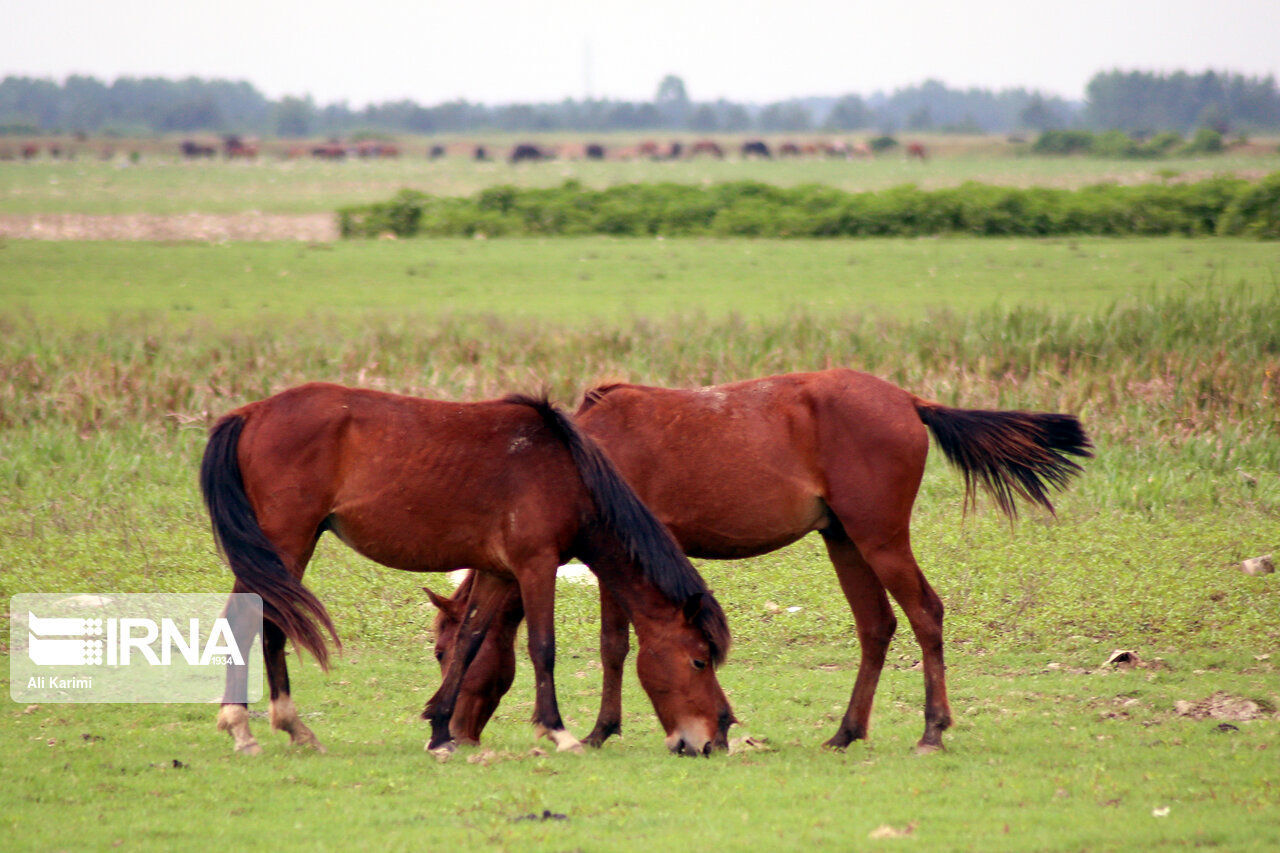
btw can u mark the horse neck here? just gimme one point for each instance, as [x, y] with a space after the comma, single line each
[645, 605]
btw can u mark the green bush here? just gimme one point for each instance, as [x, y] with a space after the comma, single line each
[1063, 142]
[1254, 210]
[1206, 141]
[1118, 144]
[753, 209]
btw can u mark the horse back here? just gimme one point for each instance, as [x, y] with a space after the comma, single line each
[412, 483]
[747, 467]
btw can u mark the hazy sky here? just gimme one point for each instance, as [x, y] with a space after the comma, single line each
[497, 51]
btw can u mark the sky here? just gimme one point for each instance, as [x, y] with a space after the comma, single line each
[498, 51]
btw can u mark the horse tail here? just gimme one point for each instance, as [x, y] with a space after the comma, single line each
[1008, 454]
[645, 539]
[254, 560]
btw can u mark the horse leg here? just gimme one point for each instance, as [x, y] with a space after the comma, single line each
[615, 643]
[284, 716]
[875, 623]
[896, 567]
[538, 589]
[488, 596]
[233, 716]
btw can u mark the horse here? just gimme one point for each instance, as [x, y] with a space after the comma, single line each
[509, 487]
[743, 469]
[916, 150]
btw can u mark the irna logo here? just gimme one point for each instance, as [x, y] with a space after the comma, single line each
[135, 647]
[63, 641]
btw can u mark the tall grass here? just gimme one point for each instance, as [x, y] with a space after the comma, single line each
[1179, 365]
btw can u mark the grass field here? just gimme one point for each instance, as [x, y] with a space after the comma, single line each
[114, 358]
[163, 184]
[575, 281]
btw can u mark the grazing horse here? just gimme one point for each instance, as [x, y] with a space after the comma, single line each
[916, 151]
[509, 487]
[707, 146]
[743, 469]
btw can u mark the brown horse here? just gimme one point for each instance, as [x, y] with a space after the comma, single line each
[744, 469]
[510, 487]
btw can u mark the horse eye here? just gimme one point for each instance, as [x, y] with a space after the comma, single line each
[439, 655]
[698, 664]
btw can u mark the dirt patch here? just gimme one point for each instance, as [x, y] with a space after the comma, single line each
[1222, 706]
[202, 227]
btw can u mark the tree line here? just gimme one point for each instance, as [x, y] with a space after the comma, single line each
[1133, 101]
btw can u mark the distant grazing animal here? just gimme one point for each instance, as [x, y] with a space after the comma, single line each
[435, 152]
[375, 148]
[756, 148]
[193, 150]
[789, 149]
[707, 146]
[509, 487]
[743, 469]
[236, 147]
[480, 153]
[331, 150]
[915, 150]
[595, 151]
[528, 151]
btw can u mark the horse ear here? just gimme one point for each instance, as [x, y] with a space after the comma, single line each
[441, 603]
[692, 606]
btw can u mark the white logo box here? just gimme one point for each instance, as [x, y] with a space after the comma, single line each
[135, 647]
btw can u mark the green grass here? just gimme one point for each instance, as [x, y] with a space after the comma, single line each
[114, 358]
[601, 279]
[165, 185]
[1040, 759]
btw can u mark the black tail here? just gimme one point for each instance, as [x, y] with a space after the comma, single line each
[257, 565]
[1010, 454]
[645, 538]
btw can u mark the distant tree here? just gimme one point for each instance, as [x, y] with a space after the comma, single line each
[732, 117]
[195, 113]
[921, 118]
[849, 113]
[295, 116]
[704, 119]
[671, 91]
[785, 116]
[672, 102]
[1037, 115]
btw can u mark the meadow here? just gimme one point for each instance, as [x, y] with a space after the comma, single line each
[114, 358]
[161, 183]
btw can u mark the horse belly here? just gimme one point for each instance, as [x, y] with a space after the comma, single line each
[752, 519]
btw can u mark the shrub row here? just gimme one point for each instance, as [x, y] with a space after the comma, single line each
[1221, 205]
[1117, 143]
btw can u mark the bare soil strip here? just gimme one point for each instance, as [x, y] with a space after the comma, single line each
[203, 227]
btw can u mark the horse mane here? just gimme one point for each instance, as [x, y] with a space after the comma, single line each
[644, 538]
[596, 394]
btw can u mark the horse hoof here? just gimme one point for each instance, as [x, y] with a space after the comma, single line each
[564, 741]
[923, 748]
[443, 751]
[840, 741]
[250, 748]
